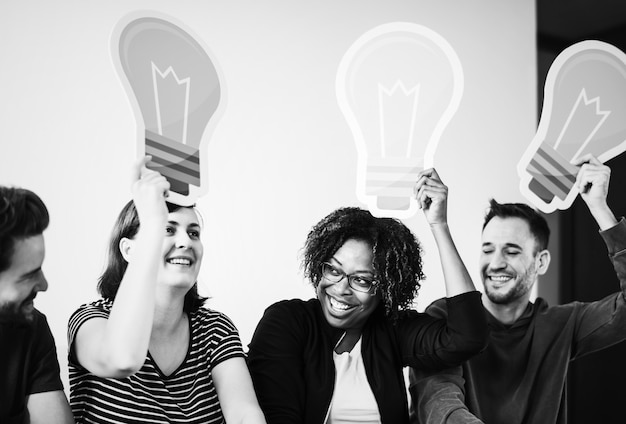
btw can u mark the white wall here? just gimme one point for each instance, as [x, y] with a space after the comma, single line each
[282, 156]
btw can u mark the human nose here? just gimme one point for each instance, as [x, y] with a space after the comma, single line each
[42, 284]
[497, 261]
[343, 285]
[183, 240]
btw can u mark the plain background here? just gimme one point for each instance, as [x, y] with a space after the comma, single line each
[281, 156]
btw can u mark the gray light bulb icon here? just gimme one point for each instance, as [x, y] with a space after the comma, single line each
[177, 91]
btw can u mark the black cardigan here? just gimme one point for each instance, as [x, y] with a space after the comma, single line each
[291, 361]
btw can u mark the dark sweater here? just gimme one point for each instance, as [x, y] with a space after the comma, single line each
[28, 365]
[292, 366]
[521, 377]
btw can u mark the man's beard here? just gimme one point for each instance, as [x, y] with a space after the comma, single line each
[11, 312]
[523, 284]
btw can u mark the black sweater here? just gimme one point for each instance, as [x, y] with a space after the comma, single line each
[291, 361]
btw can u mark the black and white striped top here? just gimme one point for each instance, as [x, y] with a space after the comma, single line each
[186, 396]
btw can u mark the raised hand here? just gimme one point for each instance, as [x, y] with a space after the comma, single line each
[150, 189]
[592, 182]
[432, 196]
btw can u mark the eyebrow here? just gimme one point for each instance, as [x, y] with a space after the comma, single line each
[176, 223]
[517, 246]
[365, 271]
[30, 273]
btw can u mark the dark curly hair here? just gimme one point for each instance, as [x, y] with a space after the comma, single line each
[397, 253]
[127, 226]
[22, 214]
[538, 225]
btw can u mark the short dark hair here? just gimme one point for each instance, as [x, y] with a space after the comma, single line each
[397, 253]
[537, 223]
[127, 226]
[22, 214]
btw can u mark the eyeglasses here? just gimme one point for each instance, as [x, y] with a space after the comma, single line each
[357, 282]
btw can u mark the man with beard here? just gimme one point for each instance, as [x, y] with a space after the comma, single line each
[30, 386]
[520, 377]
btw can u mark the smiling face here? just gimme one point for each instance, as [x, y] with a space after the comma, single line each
[182, 249]
[510, 262]
[20, 283]
[342, 306]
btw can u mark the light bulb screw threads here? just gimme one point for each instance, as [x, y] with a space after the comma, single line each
[552, 175]
[177, 162]
[392, 185]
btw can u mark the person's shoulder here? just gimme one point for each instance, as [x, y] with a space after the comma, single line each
[207, 316]
[100, 304]
[438, 308]
[40, 321]
[100, 308]
[293, 312]
[39, 317]
[294, 306]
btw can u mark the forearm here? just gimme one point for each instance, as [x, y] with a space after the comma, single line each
[456, 278]
[603, 215]
[439, 398]
[127, 332]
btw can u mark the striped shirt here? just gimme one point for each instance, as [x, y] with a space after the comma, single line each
[186, 396]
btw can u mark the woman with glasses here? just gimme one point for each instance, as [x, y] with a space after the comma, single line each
[148, 351]
[338, 358]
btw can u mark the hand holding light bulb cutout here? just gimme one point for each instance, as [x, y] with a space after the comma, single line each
[398, 86]
[584, 113]
[177, 91]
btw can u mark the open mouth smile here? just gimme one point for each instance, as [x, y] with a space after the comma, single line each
[180, 261]
[339, 306]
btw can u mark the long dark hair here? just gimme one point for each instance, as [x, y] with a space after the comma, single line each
[127, 226]
[397, 253]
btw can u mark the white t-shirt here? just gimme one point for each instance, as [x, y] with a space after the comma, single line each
[353, 400]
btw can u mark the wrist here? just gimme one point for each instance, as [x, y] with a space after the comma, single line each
[603, 215]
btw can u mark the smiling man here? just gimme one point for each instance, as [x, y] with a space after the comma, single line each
[521, 377]
[30, 386]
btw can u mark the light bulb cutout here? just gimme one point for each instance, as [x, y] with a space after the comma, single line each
[398, 86]
[584, 111]
[177, 92]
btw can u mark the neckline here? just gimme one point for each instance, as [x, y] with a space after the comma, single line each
[185, 359]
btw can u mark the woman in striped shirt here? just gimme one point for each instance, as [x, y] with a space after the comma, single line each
[148, 352]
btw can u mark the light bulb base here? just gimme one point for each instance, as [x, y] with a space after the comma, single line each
[177, 162]
[552, 174]
[392, 182]
[387, 203]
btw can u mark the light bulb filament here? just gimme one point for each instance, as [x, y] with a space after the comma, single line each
[397, 111]
[178, 86]
[585, 111]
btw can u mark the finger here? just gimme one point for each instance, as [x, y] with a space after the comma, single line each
[138, 166]
[591, 176]
[588, 170]
[435, 175]
[165, 187]
[421, 181]
[425, 173]
[588, 158]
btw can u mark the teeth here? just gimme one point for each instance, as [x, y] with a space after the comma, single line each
[338, 305]
[179, 261]
[500, 278]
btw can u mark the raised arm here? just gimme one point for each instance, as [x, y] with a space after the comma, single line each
[601, 323]
[117, 347]
[432, 197]
[592, 182]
